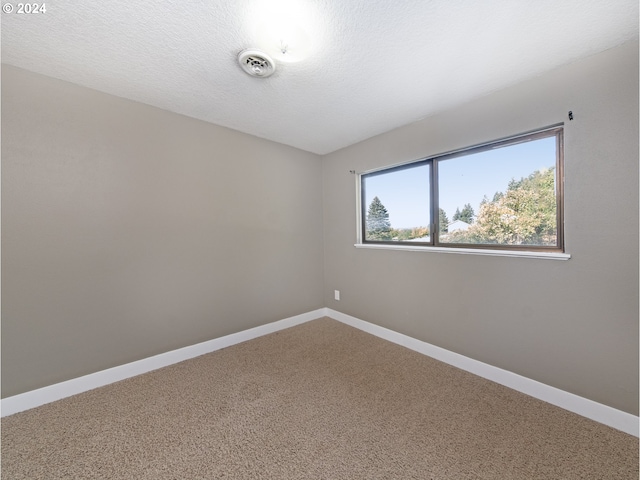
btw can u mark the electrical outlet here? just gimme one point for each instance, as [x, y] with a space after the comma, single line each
[336, 294]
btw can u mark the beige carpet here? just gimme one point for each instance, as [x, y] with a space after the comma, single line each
[318, 401]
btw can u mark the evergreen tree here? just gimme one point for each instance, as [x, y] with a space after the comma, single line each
[444, 221]
[467, 214]
[378, 224]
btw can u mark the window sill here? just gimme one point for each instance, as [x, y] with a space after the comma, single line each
[470, 251]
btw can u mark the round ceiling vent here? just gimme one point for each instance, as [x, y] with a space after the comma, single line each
[256, 63]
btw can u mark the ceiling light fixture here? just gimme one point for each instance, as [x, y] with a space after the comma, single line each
[256, 63]
[283, 28]
[287, 43]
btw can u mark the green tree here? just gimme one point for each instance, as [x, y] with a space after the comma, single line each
[467, 214]
[444, 221]
[378, 224]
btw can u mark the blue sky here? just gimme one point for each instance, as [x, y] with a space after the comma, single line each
[463, 180]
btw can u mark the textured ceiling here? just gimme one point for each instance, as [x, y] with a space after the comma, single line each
[374, 65]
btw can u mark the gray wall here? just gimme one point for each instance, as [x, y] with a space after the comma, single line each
[129, 231]
[570, 324]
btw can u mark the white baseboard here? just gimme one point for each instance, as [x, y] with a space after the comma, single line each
[51, 393]
[587, 408]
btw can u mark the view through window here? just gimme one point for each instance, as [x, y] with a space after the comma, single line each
[507, 194]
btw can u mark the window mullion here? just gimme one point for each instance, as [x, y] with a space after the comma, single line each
[435, 204]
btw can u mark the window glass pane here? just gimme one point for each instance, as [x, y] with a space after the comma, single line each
[502, 196]
[396, 205]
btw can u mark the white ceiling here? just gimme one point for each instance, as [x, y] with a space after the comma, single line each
[375, 64]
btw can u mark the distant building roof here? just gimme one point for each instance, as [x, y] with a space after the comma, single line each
[458, 225]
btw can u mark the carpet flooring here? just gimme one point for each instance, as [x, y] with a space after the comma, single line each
[320, 400]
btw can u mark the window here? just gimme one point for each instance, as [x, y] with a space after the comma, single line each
[505, 194]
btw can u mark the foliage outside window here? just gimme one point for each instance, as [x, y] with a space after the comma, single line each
[506, 194]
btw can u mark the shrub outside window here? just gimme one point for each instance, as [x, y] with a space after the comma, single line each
[505, 194]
